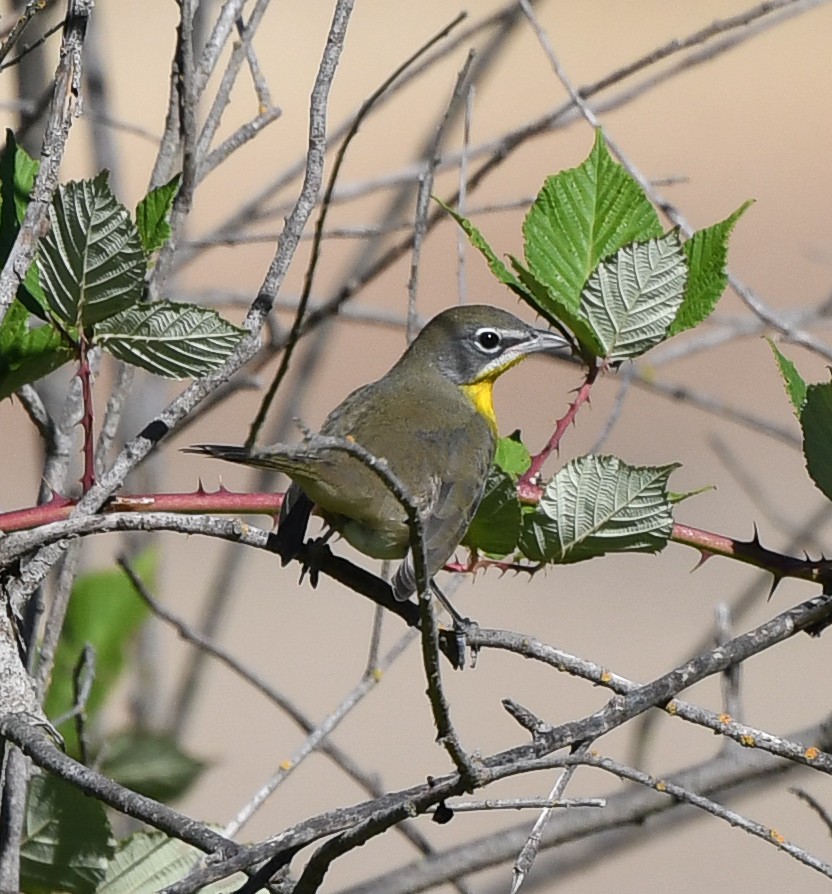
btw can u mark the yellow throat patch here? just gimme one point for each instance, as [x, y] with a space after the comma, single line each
[480, 393]
[481, 396]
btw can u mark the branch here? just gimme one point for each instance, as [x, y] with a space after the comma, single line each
[34, 744]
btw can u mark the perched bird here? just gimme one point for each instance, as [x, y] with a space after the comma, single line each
[431, 418]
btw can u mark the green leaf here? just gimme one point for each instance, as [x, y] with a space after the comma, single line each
[549, 305]
[512, 455]
[67, 841]
[91, 263]
[170, 339]
[816, 422]
[631, 299]
[581, 216]
[496, 525]
[105, 612]
[151, 764]
[707, 254]
[147, 862]
[495, 264]
[18, 171]
[153, 215]
[27, 355]
[32, 296]
[795, 385]
[596, 505]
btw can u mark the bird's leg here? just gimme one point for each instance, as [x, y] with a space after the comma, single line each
[459, 621]
[461, 624]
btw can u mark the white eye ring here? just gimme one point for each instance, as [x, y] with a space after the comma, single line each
[488, 340]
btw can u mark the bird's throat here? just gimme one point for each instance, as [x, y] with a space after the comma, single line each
[480, 395]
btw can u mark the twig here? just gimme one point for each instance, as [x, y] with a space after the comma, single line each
[806, 753]
[295, 331]
[813, 802]
[83, 677]
[30, 48]
[318, 733]
[261, 88]
[751, 299]
[687, 796]
[461, 242]
[420, 223]
[524, 804]
[730, 679]
[528, 853]
[137, 449]
[266, 113]
[55, 619]
[317, 737]
[35, 745]
[624, 823]
[29, 11]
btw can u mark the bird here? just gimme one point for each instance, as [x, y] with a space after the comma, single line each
[431, 419]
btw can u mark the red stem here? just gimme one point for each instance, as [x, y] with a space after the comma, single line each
[198, 502]
[527, 485]
[85, 375]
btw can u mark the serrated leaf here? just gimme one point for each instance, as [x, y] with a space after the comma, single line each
[105, 612]
[151, 764]
[512, 455]
[549, 306]
[496, 525]
[793, 381]
[26, 354]
[91, 264]
[147, 862]
[631, 299]
[816, 422]
[153, 215]
[67, 842]
[581, 216]
[170, 339]
[596, 505]
[707, 254]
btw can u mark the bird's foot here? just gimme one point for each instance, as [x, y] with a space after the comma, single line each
[312, 557]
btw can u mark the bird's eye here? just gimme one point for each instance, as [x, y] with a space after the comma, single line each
[488, 340]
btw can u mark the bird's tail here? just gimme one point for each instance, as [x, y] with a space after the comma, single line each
[220, 451]
[241, 455]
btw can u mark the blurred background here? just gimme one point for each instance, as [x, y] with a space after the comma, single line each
[745, 113]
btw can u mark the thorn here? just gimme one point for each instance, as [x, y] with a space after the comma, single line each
[775, 582]
[704, 555]
[755, 540]
[200, 488]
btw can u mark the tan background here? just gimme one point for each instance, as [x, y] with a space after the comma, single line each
[752, 123]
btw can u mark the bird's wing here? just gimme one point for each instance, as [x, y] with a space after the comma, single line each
[446, 519]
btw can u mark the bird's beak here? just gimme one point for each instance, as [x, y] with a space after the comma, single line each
[546, 342]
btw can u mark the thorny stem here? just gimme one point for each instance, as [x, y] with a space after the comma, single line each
[527, 485]
[200, 501]
[87, 419]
